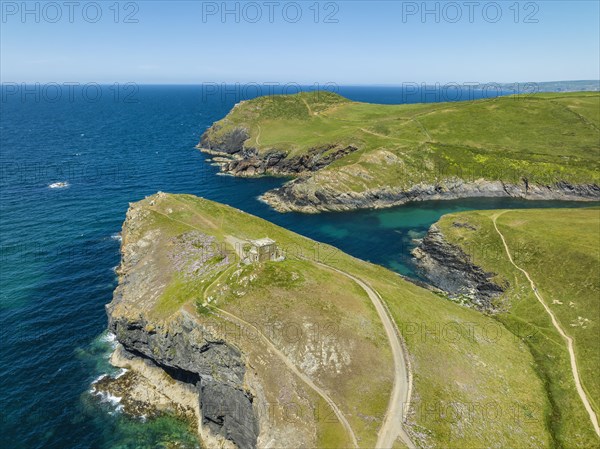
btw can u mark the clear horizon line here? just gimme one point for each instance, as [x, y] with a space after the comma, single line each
[302, 84]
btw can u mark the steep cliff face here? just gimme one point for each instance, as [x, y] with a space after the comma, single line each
[256, 353]
[306, 195]
[229, 143]
[450, 269]
[189, 353]
[231, 154]
[179, 344]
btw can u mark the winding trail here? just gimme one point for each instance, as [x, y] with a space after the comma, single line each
[277, 352]
[422, 128]
[257, 141]
[310, 111]
[557, 326]
[374, 133]
[400, 398]
[399, 402]
[288, 363]
[298, 373]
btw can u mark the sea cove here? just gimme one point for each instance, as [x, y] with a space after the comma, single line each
[58, 263]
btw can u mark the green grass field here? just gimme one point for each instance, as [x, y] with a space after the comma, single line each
[475, 384]
[543, 138]
[560, 249]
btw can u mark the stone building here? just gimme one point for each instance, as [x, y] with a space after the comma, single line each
[263, 250]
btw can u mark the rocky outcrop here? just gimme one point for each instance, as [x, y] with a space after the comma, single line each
[142, 389]
[450, 269]
[228, 144]
[305, 195]
[189, 352]
[230, 153]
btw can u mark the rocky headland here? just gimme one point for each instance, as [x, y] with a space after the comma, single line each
[205, 375]
[283, 349]
[234, 158]
[304, 195]
[248, 351]
[450, 269]
[346, 155]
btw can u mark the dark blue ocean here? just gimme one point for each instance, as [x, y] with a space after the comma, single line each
[59, 246]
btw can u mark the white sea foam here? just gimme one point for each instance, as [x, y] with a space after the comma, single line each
[96, 380]
[105, 396]
[111, 399]
[59, 185]
[110, 338]
[116, 236]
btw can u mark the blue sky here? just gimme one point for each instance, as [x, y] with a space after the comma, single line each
[361, 43]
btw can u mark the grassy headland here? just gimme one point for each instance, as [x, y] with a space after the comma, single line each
[350, 155]
[474, 382]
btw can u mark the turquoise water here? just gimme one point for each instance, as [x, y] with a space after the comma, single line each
[59, 246]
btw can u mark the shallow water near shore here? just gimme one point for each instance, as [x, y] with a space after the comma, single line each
[59, 245]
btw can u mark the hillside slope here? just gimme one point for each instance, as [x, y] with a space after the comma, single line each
[550, 293]
[349, 155]
[291, 352]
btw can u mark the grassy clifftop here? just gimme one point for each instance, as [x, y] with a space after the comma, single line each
[559, 249]
[525, 141]
[474, 383]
